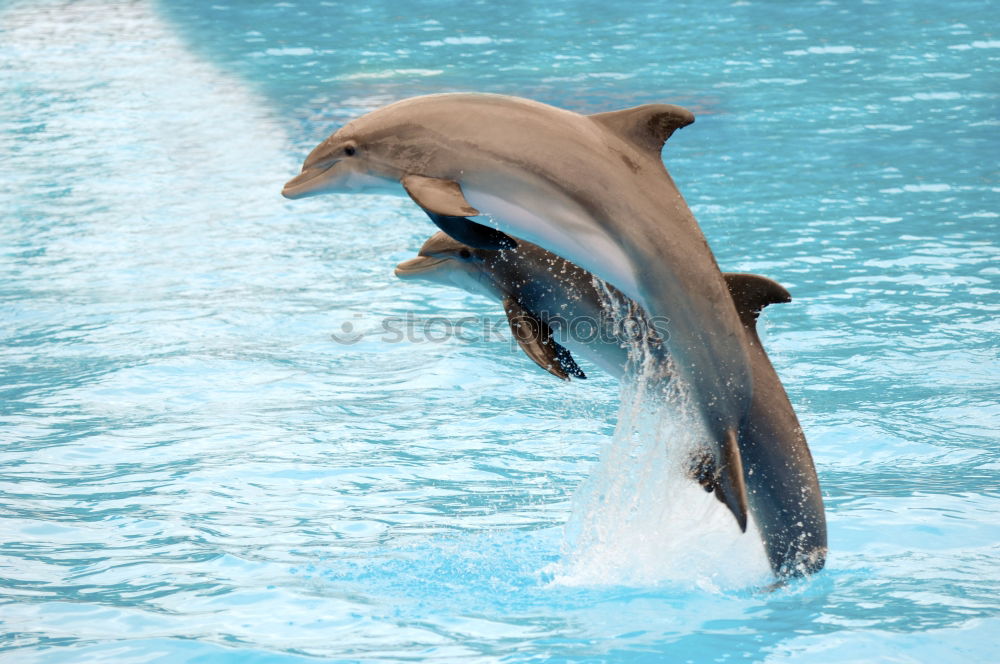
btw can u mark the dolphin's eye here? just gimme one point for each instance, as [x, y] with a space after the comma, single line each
[350, 150]
[465, 253]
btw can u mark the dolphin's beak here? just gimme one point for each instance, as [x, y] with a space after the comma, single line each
[307, 183]
[415, 267]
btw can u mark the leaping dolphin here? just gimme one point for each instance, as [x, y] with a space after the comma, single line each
[545, 296]
[555, 309]
[593, 190]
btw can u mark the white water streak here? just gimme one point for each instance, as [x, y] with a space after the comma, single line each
[640, 519]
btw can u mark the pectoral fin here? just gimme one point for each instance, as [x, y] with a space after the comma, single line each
[535, 338]
[438, 196]
[724, 478]
[445, 204]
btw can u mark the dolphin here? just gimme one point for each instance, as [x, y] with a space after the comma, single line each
[554, 308]
[590, 188]
[545, 295]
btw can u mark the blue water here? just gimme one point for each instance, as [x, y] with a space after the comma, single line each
[194, 469]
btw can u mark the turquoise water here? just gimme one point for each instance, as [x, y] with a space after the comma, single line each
[194, 469]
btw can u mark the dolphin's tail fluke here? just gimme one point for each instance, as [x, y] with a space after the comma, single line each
[724, 477]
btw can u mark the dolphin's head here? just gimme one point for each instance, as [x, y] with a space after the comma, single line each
[447, 261]
[372, 153]
[349, 161]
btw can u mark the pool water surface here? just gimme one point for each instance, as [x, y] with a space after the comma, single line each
[229, 433]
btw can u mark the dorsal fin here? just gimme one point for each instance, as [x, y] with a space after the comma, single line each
[648, 126]
[751, 293]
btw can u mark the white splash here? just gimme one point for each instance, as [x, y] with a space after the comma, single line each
[640, 519]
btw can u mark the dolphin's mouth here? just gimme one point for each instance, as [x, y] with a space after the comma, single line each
[417, 266]
[305, 183]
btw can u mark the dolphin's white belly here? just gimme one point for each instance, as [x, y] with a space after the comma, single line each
[560, 226]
